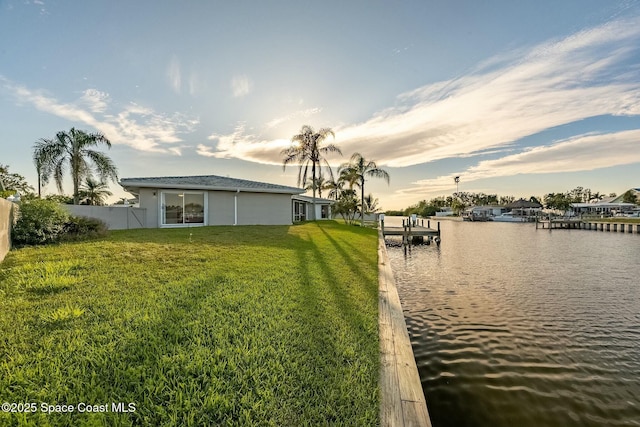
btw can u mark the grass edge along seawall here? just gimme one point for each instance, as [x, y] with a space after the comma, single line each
[202, 326]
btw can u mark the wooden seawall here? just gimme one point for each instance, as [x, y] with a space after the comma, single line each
[402, 399]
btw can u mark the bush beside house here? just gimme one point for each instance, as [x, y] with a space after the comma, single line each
[41, 221]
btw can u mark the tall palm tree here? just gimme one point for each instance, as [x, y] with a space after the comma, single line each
[332, 186]
[307, 150]
[73, 149]
[348, 175]
[361, 167]
[43, 175]
[94, 192]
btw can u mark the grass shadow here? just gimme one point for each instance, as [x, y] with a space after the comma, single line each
[43, 291]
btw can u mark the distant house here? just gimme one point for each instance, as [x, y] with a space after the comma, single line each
[482, 213]
[186, 201]
[302, 208]
[607, 206]
[618, 199]
[523, 207]
[445, 211]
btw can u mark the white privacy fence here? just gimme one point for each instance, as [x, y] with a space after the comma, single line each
[6, 220]
[116, 217]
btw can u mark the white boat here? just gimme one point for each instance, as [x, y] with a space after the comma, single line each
[508, 217]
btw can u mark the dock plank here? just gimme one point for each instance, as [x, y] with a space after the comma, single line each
[414, 414]
[402, 399]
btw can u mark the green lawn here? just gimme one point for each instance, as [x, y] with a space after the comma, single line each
[620, 220]
[204, 326]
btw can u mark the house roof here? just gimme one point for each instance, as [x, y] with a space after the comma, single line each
[619, 198]
[521, 203]
[309, 199]
[206, 182]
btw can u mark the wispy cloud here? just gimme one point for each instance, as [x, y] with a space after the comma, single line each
[133, 125]
[302, 114]
[241, 86]
[254, 148]
[39, 4]
[195, 83]
[556, 83]
[174, 76]
[95, 100]
[506, 98]
[247, 147]
[579, 153]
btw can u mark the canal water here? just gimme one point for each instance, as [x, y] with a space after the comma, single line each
[513, 326]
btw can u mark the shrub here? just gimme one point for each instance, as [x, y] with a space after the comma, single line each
[60, 198]
[38, 222]
[79, 228]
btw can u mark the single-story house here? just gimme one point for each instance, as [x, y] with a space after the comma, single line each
[618, 199]
[302, 208]
[523, 207]
[602, 207]
[184, 201]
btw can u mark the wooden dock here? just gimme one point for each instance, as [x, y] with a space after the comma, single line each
[588, 224]
[402, 401]
[412, 231]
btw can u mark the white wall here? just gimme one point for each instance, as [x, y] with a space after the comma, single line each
[148, 199]
[264, 209]
[227, 207]
[6, 222]
[116, 217]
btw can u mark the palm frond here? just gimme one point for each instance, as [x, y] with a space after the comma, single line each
[72, 149]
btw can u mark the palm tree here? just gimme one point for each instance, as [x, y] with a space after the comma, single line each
[94, 192]
[74, 149]
[332, 186]
[361, 167]
[348, 176]
[321, 184]
[307, 150]
[43, 175]
[371, 204]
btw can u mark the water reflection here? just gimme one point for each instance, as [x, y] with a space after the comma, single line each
[517, 327]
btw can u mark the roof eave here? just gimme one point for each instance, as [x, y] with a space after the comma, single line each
[138, 185]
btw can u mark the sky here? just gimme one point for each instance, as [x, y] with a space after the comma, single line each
[516, 98]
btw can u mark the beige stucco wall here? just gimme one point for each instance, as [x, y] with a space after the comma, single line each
[252, 208]
[221, 208]
[264, 209]
[6, 220]
[318, 211]
[148, 199]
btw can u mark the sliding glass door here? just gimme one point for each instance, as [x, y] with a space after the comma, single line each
[182, 208]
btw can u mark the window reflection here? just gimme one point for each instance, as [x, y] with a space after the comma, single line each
[182, 208]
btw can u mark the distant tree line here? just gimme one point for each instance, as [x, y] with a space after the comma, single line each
[461, 200]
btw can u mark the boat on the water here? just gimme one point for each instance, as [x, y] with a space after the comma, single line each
[509, 217]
